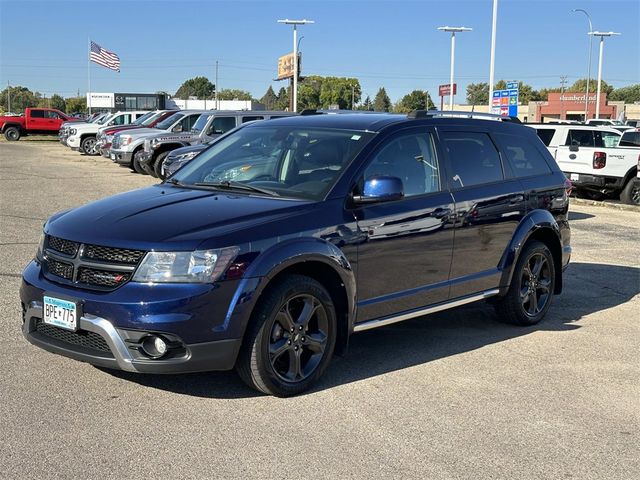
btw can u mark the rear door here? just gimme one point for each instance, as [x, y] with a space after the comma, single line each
[37, 120]
[489, 204]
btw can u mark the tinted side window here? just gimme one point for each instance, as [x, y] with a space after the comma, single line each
[37, 113]
[473, 157]
[582, 138]
[630, 139]
[252, 118]
[545, 134]
[525, 159]
[606, 139]
[410, 157]
[221, 125]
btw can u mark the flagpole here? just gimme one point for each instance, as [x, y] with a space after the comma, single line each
[89, 75]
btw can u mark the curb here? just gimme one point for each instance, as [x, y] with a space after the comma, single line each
[607, 204]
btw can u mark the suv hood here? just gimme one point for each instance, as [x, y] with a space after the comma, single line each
[165, 217]
[142, 132]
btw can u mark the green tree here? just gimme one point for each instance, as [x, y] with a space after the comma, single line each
[382, 102]
[234, 94]
[416, 100]
[478, 93]
[367, 105]
[199, 87]
[283, 99]
[269, 99]
[21, 98]
[581, 86]
[543, 94]
[58, 102]
[628, 94]
[341, 91]
[76, 104]
[309, 92]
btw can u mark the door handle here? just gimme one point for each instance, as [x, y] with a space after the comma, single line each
[441, 212]
[513, 199]
[573, 156]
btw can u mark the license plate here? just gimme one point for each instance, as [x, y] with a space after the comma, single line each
[575, 176]
[113, 156]
[60, 313]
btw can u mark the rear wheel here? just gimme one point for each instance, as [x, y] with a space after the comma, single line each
[631, 192]
[532, 285]
[12, 134]
[290, 339]
[88, 146]
[157, 167]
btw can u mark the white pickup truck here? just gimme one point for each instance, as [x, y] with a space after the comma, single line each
[599, 171]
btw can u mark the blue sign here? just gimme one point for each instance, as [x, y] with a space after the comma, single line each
[512, 85]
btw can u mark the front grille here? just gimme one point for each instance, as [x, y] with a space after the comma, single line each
[114, 255]
[102, 278]
[88, 265]
[59, 269]
[81, 338]
[63, 246]
[116, 141]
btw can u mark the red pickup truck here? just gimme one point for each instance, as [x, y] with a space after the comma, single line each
[34, 121]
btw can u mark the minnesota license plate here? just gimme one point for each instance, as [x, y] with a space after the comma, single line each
[60, 313]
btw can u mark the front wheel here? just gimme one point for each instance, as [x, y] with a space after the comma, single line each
[157, 167]
[88, 146]
[631, 192]
[532, 285]
[290, 339]
[12, 134]
[135, 163]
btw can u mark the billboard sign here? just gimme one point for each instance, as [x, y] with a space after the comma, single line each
[285, 66]
[505, 102]
[445, 90]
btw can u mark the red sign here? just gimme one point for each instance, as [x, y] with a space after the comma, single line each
[444, 90]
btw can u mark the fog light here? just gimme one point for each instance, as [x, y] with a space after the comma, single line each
[154, 346]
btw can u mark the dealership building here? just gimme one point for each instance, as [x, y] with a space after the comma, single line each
[118, 102]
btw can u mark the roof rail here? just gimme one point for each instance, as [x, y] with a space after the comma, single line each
[331, 111]
[456, 114]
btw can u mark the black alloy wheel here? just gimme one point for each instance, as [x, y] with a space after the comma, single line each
[12, 134]
[535, 284]
[290, 339]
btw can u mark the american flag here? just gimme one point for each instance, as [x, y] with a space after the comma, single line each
[104, 57]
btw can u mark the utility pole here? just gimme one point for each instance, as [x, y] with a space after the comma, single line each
[353, 91]
[216, 85]
[563, 81]
[8, 96]
[493, 52]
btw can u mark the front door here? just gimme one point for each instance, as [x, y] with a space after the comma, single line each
[404, 262]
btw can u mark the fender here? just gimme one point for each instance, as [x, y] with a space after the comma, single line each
[163, 147]
[533, 222]
[276, 259]
[12, 124]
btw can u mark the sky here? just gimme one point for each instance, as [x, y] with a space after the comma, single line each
[395, 44]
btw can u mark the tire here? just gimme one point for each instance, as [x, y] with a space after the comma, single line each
[529, 296]
[284, 354]
[88, 146]
[135, 164]
[631, 192]
[12, 134]
[589, 194]
[157, 167]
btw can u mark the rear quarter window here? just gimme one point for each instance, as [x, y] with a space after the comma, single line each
[545, 134]
[522, 155]
[630, 139]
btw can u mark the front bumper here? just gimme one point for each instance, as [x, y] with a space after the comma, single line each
[123, 354]
[73, 142]
[120, 156]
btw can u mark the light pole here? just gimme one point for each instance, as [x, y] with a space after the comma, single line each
[586, 100]
[295, 24]
[493, 53]
[601, 35]
[453, 31]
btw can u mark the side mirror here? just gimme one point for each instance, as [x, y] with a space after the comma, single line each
[380, 189]
[574, 147]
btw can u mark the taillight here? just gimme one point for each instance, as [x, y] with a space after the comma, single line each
[599, 160]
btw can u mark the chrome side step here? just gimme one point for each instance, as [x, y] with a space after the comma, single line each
[381, 322]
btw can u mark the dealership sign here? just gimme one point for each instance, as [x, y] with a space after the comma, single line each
[100, 100]
[285, 66]
[445, 90]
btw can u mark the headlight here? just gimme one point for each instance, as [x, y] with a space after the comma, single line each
[108, 138]
[40, 251]
[201, 266]
[185, 156]
[125, 140]
[72, 131]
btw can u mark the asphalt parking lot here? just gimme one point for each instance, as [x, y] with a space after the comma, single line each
[456, 395]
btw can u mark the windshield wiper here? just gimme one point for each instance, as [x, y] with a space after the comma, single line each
[230, 185]
[173, 181]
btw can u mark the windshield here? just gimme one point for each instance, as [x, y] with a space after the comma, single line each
[144, 118]
[105, 120]
[286, 161]
[201, 123]
[167, 122]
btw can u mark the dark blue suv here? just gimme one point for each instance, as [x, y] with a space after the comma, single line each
[274, 245]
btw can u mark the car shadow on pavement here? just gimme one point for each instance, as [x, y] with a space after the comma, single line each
[579, 216]
[589, 288]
